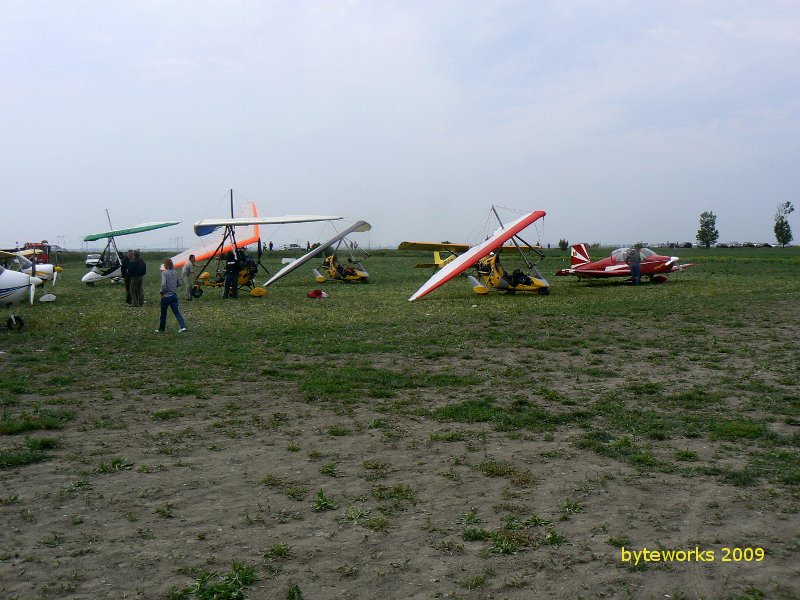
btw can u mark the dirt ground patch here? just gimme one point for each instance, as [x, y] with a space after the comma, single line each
[159, 488]
[368, 448]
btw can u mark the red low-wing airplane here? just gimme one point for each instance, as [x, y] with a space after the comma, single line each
[653, 266]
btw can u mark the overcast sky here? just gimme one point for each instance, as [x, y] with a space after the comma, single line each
[624, 120]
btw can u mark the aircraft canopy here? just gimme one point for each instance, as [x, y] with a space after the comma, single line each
[619, 254]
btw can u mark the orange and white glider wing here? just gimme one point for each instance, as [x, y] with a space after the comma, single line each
[206, 246]
[469, 258]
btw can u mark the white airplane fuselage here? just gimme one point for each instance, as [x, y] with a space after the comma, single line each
[45, 271]
[15, 287]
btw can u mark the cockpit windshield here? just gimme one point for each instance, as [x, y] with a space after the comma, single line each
[619, 254]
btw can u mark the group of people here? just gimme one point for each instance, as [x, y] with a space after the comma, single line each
[133, 271]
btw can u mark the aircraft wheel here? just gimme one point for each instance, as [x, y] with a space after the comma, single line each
[365, 280]
[15, 323]
[197, 291]
[544, 291]
[90, 284]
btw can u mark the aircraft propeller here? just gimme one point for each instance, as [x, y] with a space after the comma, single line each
[34, 281]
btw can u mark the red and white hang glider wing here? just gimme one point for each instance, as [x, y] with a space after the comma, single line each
[469, 258]
[207, 246]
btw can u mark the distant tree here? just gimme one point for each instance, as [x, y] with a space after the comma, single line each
[563, 244]
[707, 234]
[783, 233]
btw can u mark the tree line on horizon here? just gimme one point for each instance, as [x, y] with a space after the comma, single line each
[708, 234]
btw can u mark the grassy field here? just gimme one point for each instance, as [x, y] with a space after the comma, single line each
[363, 446]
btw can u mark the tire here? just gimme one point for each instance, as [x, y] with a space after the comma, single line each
[197, 291]
[15, 323]
[545, 291]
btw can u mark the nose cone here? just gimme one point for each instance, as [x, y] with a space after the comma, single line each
[91, 276]
[36, 281]
[58, 269]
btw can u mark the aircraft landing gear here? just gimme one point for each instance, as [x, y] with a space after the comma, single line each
[15, 323]
[197, 291]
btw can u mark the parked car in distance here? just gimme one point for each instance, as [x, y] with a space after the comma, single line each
[290, 247]
[92, 260]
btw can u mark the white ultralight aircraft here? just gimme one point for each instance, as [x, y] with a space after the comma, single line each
[358, 273]
[110, 264]
[14, 288]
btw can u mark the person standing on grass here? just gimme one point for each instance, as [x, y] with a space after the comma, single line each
[231, 276]
[634, 259]
[126, 264]
[187, 275]
[137, 270]
[169, 297]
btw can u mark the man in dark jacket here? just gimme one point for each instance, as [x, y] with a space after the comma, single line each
[127, 259]
[231, 276]
[137, 270]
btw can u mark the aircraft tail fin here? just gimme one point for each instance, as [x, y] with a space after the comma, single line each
[579, 254]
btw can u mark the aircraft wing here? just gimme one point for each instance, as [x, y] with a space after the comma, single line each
[24, 262]
[130, 230]
[359, 226]
[434, 247]
[454, 248]
[473, 255]
[31, 252]
[206, 226]
[620, 270]
[676, 268]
